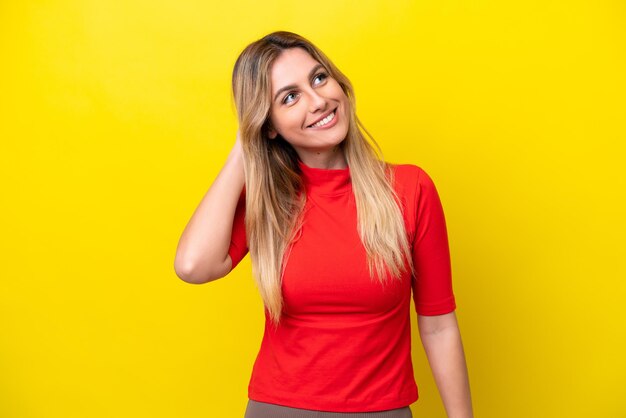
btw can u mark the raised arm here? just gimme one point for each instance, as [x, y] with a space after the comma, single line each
[202, 252]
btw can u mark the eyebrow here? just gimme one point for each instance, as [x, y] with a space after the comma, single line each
[293, 86]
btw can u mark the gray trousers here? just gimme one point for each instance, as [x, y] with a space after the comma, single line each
[256, 409]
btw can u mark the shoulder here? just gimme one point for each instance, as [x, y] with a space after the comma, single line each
[410, 176]
[405, 170]
[414, 186]
[417, 193]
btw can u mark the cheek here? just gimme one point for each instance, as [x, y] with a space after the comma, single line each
[337, 88]
[285, 121]
[276, 119]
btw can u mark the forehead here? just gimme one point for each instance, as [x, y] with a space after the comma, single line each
[291, 67]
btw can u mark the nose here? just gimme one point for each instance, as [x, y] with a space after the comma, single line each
[317, 102]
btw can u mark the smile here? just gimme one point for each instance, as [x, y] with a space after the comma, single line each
[326, 122]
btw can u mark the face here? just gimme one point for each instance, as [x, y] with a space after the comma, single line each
[309, 109]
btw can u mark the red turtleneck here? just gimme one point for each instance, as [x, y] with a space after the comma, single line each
[344, 341]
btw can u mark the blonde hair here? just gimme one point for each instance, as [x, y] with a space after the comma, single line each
[275, 196]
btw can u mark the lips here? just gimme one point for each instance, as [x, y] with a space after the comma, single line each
[321, 118]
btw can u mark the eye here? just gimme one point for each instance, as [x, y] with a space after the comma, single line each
[289, 98]
[321, 77]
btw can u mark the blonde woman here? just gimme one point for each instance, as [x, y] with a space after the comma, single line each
[338, 239]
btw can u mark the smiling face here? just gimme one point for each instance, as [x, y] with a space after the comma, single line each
[309, 108]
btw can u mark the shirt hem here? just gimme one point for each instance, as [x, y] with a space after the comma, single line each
[313, 403]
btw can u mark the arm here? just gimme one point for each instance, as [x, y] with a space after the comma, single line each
[442, 342]
[202, 252]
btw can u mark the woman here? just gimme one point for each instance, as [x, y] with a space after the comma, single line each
[337, 238]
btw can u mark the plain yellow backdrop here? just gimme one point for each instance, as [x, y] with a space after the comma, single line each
[115, 117]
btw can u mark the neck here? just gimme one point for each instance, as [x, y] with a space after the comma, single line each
[334, 159]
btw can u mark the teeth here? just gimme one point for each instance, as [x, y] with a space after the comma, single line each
[324, 121]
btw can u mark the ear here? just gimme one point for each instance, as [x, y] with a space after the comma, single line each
[271, 132]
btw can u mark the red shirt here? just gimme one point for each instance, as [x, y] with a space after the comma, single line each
[344, 341]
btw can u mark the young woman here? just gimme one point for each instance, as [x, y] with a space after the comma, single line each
[338, 239]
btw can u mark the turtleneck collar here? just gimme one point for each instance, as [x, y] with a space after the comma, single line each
[325, 182]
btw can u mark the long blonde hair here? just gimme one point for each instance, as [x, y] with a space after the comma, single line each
[275, 195]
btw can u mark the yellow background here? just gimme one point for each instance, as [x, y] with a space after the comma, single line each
[117, 115]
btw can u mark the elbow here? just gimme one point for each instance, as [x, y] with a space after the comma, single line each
[190, 273]
[187, 272]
